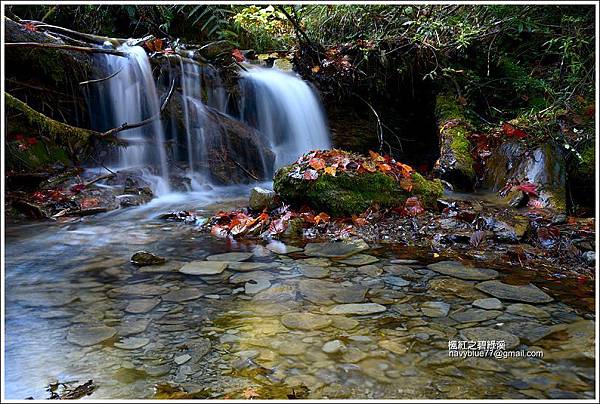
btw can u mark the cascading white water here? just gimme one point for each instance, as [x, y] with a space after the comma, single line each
[130, 97]
[286, 110]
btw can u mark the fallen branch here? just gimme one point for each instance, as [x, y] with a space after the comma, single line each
[65, 47]
[379, 125]
[83, 83]
[97, 39]
[223, 155]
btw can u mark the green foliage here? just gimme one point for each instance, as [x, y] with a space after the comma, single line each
[264, 28]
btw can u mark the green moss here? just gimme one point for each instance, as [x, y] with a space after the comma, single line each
[447, 108]
[587, 164]
[347, 194]
[461, 148]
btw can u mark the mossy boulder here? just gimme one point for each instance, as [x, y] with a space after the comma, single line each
[455, 164]
[351, 192]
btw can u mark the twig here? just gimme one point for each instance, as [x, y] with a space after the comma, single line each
[102, 177]
[83, 83]
[224, 157]
[65, 47]
[379, 125]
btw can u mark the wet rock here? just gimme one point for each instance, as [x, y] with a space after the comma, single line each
[460, 288]
[458, 270]
[279, 248]
[156, 371]
[333, 346]
[131, 343]
[435, 309]
[314, 272]
[203, 268]
[132, 326]
[169, 267]
[370, 270]
[474, 315]
[143, 258]
[88, 335]
[490, 303]
[140, 306]
[140, 289]
[353, 355]
[340, 249]
[357, 308]
[183, 295]
[256, 285]
[396, 347]
[403, 271]
[305, 321]
[403, 262]
[589, 257]
[359, 260]
[291, 348]
[251, 276]
[530, 331]
[527, 310]
[250, 266]
[395, 281]
[344, 323]
[181, 359]
[490, 334]
[509, 230]
[526, 293]
[230, 256]
[325, 292]
[261, 199]
[43, 299]
[276, 294]
[407, 310]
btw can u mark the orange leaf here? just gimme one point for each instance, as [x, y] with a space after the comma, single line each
[405, 169]
[322, 217]
[331, 170]
[250, 393]
[218, 231]
[158, 44]
[359, 221]
[368, 166]
[316, 69]
[376, 156]
[317, 163]
[384, 167]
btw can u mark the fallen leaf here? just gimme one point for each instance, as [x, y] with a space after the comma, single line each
[376, 156]
[413, 206]
[317, 163]
[512, 131]
[250, 393]
[237, 55]
[331, 170]
[528, 188]
[477, 238]
[310, 175]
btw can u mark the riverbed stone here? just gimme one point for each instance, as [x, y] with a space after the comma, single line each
[250, 266]
[132, 326]
[143, 258]
[230, 256]
[458, 270]
[261, 198]
[251, 276]
[395, 281]
[490, 303]
[139, 289]
[357, 260]
[139, 306]
[434, 309]
[325, 292]
[474, 315]
[527, 310]
[357, 308]
[529, 331]
[458, 287]
[344, 323]
[490, 334]
[88, 335]
[276, 294]
[256, 285]
[370, 270]
[526, 293]
[168, 267]
[396, 347]
[314, 272]
[131, 343]
[183, 295]
[203, 268]
[181, 359]
[305, 321]
[333, 346]
[407, 310]
[340, 249]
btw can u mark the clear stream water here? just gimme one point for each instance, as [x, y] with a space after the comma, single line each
[212, 334]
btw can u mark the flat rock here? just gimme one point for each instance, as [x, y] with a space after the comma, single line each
[139, 289]
[402, 270]
[183, 294]
[305, 321]
[131, 343]
[490, 303]
[528, 331]
[314, 272]
[181, 359]
[474, 315]
[250, 266]
[407, 310]
[344, 323]
[458, 270]
[251, 276]
[395, 281]
[394, 346]
[370, 270]
[490, 334]
[171, 266]
[88, 335]
[527, 293]
[527, 310]
[359, 260]
[203, 268]
[276, 294]
[357, 308]
[434, 309]
[132, 326]
[340, 249]
[279, 248]
[333, 346]
[256, 286]
[230, 256]
[139, 306]
[403, 261]
[325, 292]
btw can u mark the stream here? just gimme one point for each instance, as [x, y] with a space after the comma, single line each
[284, 321]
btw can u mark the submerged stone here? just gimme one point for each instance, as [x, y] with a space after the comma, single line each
[230, 256]
[131, 343]
[490, 303]
[458, 270]
[526, 293]
[143, 258]
[490, 334]
[279, 248]
[359, 260]
[182, 295]
[432, 309]
[203, 268]
[305, 321]
[357, 308]
[88, 335]
[335, 249]
[140, 306]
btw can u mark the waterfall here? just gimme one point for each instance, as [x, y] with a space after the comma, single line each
[286, 110]
[130, 97]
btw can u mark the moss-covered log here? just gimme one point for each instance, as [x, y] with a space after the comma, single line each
[352, 193]
[455, 164]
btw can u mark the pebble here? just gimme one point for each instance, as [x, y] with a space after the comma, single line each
[333, 346]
